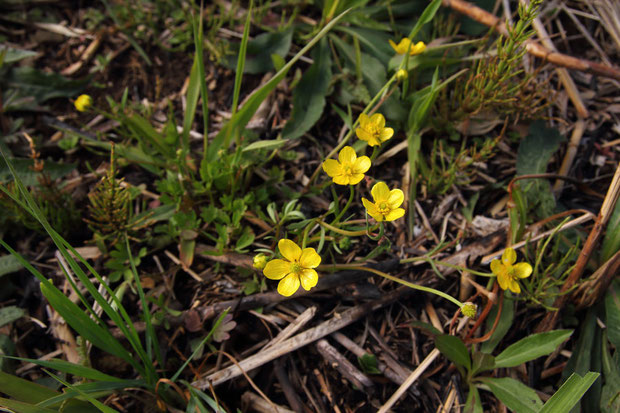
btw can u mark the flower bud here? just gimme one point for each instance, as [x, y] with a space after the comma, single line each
[401, 75]
[469, 309]
[83, 103]
[260, 261]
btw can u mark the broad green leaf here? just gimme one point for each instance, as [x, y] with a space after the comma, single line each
[24, 390]
[14, 55]
[10, 314]
[612, 313]
[21, 407]
[309, 95]
[611, 242]
[481, 362]
[9, 264]
[259, 50]
[265, 144]
[534, 154]
[569, 394]
[25, 171]
[454, 350]
[531, 347]
[42, 86]
[503, 326]
[515, 395]
[373, 41]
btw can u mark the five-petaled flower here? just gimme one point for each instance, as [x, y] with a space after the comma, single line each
[508, 272]
[296, 268]
[350, 170]
[83, 102]
[405, 45]
[387, 203]
[372, 129]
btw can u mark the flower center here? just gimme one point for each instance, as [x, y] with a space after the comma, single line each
[384, 208]
[374, 129]
[348, 170]
[295, 268]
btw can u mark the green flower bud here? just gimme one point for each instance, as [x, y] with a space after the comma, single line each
[260, 261]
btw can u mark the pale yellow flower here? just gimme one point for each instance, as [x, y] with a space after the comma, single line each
[387, 203]
[405, 45]
[372, 129]
[349, 169]
[83, 102]
[508, 272]
[297, 268]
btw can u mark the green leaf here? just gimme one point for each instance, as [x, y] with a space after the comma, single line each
[503, 326]
[25, 171]
[9, 264]
[259, 50]
[265, 144]
[368, 363]
[611, 242]
[24, 390]
[454, 350]
[21, 407]
[74, 369]
[473, 403]
[610, 393]
[309, 95]
[42, 86]
[481, 362]
[14, 55]
[534, 154]
[10, 314]
[531, 347]
[612, 313]
[569, 394]
[515, 395]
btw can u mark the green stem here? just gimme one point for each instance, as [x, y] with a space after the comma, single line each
[344, 231]
[446, 264]
[348, 204]
[395, 279]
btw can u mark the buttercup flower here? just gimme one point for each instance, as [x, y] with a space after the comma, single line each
[508, 272]
[403, 46]
[350, 170]
[386, 205]
[372, 129]
[297, 268]
[83, 102]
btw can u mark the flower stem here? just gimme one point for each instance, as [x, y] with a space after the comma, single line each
[348, 204]
[395, 279]
[344, 231]
[446, 264]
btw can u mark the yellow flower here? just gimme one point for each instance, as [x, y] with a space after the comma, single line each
[83, 102]
[405, 45]
[386, 206]
[350, 170]
[508, 272]
[297, 268]
[372, 129]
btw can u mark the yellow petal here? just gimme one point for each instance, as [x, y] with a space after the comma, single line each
[396, 198]
[289, 250]
[355, 179]
[380, 192]
[309, 258]
[362, 164]
[347, 156]
[395, 214]
[378, 120]
[372, 210]
[394, 46]
[364, 135]
[277, 269]
[509, 256]
[386, 134]
[503, 280]
[417, 49]
[514, 286]
[342, 180]
[522, 270]
[308, 278]
[363, 120]
[288, 285]
[332, 167]
[496, 266]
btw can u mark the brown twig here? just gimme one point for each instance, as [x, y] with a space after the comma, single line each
[551, 318]
[532, 47]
